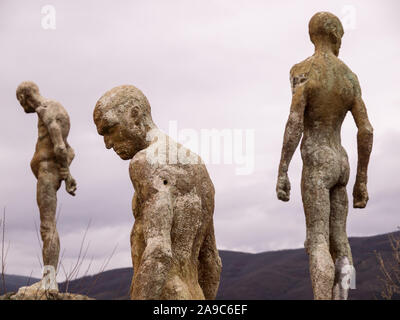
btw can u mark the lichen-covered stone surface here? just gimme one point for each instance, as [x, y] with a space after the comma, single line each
[35, 292]
[50, 163]
[174, 253]
[324, 90]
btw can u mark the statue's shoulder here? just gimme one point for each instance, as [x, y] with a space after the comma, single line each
[302, 67]
[53, 110]
[300, 73]
[145, 173]
[139, 160]
[144, 164]
[138, 166]
[346, 69]
[351, 76]
[343, 65]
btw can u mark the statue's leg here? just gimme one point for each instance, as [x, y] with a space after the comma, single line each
[210, 265]
[315, 197]
[47, 185]
[339, 244]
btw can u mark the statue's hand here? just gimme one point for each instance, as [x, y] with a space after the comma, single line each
[283, 187]
[70, 185]
[360, 195]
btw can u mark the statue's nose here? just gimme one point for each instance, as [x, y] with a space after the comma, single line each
[108, 142]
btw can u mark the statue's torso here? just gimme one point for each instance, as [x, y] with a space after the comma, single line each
[330, 94]
[193, 206]
[44, 150]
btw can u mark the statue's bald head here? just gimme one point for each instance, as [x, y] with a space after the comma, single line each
[27, 95]
[326, 29]
[123, 116]
[119, 101]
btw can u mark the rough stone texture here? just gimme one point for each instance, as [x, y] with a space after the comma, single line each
[324, 90]
[35, 292]
[50, 163]
[174, 253]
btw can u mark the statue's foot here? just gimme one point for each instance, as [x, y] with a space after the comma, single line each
[36, 291]
[343, 278]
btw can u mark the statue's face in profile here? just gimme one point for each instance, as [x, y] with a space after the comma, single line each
[26, 102]
[121, 132]
[122, 117]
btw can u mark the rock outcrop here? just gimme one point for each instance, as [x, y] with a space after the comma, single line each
[35, 292]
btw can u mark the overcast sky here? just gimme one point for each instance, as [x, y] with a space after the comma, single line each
[205, 64]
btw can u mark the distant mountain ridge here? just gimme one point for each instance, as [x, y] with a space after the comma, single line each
[268, 275]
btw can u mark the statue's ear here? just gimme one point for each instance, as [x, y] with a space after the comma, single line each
[334, 37]
[136, 115]
[135, 112]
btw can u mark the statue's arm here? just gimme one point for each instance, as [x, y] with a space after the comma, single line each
[210, 265]
[60, 149]
[157, 216]
[364, 148]
[293, 132]
[61, 152]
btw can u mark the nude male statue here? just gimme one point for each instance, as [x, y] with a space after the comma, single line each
[50, 165]
[324, 89]
[174, 252]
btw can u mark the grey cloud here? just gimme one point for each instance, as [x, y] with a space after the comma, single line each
[214, 64]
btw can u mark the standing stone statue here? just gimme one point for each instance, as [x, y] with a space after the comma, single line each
[50, 165]
[174, 253]
[324, 89]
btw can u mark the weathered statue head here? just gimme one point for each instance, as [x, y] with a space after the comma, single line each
[28, 96]
[123, 116]
[326, 32]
